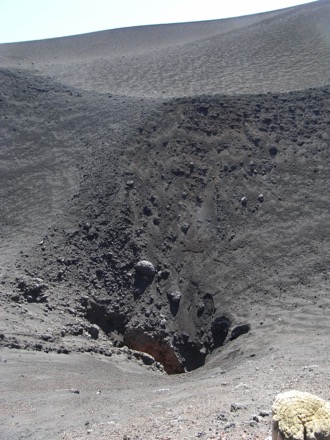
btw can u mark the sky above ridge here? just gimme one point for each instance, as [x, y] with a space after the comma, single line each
[23, 20]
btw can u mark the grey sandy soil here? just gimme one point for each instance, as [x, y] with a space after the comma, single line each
[81, 396]
[204, 149]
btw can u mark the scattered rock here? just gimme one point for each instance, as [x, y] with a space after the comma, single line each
[244, 201]
[222, 417]
[32, 289]
[47, 337]
[163, 274]
[241, 386]
[235, 407]
[310, 368]
[185, 227]
[174, 297]
[74, 391]
[147, 211]
[261, 198]
[273, 151]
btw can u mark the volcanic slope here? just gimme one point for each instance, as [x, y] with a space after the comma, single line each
[270, 52]
[226, 195]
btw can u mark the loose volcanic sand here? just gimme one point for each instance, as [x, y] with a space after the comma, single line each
[202, 148]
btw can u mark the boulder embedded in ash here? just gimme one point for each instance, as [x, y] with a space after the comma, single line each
[220, 327]
[94, 331]
[244, 201]
[239, 330]
[146, 268]
[273, 151]
[147, 211]
[174, 297]
[156, 221]
[146, 358]
[185, 227]
[163, 274]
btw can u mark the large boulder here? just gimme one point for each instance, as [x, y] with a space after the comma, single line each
[146, 268]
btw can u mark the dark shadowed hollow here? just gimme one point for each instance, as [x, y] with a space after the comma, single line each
[202, 151]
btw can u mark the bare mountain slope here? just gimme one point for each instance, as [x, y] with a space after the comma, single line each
[224, 189]
[277, 51]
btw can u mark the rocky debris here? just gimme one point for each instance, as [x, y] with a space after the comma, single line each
[230, 425]
[32, 289]
[74, 329]
[47, 337]
[261, 198]
[146, 268]
[300, 416]
[222, 417]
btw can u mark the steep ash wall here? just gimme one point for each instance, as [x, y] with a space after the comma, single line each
[225, 196]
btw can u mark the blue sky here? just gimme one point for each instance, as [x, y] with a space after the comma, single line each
[22, 20]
